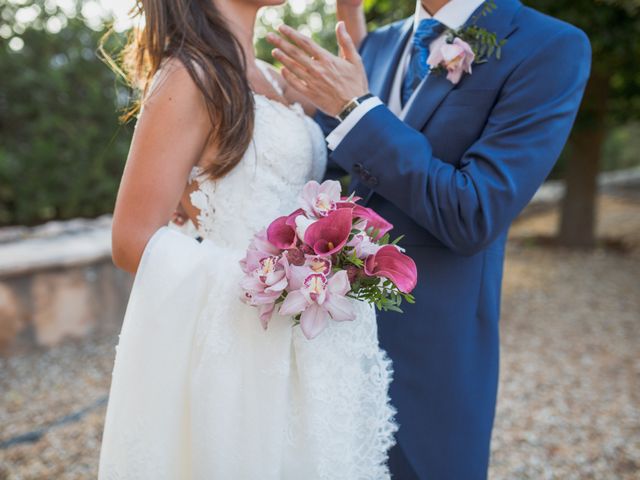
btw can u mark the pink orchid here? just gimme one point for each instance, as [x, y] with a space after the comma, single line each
[456, 58]
[259, 248]
[319, 264]
[318, 200]
[319, 298]
[329, 234]
[363, 246]
[390, 263]
[265, 285]
[265, 313]
[312, 264]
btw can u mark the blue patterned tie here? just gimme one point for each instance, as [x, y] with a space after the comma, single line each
[428, 30]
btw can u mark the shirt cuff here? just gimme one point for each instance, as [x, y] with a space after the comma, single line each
[342, 130]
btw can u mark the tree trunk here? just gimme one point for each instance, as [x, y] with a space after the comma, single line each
[578, 220]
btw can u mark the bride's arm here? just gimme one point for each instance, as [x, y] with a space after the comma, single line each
[351, 12]
[169, 138]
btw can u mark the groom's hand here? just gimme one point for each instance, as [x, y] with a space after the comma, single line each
[327, 80]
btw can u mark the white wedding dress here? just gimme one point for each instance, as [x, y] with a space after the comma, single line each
[199, 390]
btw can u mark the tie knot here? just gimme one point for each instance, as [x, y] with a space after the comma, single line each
[428, 30]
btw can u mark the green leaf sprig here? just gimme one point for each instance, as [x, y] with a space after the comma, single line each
[485, 44]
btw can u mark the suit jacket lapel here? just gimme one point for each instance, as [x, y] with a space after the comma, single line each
[435, 88]
[387, 59]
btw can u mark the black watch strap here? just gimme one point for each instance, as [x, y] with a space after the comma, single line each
[352, 105]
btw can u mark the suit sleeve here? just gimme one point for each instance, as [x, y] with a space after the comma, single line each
[328, 124]
[469, 205]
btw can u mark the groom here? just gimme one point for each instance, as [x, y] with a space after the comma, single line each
[450, 165]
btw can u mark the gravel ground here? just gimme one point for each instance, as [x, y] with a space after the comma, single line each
[569, 402]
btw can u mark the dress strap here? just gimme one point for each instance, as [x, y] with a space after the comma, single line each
[266, 70]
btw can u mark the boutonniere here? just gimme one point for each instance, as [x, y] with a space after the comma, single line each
[467, 46]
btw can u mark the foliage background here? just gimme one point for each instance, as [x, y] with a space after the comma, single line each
[62, 148]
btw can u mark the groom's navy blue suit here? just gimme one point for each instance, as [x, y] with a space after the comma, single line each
[452, 177]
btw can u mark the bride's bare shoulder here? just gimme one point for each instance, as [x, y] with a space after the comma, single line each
[172, 95]
[173, 77]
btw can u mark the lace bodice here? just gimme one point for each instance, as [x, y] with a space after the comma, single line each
[288, 149]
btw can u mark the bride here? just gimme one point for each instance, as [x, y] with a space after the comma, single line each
[199, 390]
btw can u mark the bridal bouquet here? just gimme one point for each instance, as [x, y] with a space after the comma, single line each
[309, 263]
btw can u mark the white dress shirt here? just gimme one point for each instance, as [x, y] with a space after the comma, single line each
[453, 15]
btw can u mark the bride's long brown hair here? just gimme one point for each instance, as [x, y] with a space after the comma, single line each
[195, 33]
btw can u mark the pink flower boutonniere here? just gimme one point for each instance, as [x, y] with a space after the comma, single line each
[456, 58]
[465, 47]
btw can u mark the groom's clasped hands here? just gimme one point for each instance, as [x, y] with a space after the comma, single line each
[327, 80]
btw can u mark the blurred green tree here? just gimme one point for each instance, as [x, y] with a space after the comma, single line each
[62, 149]
[317, 20]
[382, 12]
[612, 99]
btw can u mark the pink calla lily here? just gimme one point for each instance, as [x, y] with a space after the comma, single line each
[368, 215]
[373, 220]
[281, 234]
[291, 219]
[390, 263]
[329, 234]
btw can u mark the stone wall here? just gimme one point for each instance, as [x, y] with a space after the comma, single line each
[57, 281]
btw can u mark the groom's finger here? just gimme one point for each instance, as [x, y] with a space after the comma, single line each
[293, 66]
[304, 42]
[291, 50]
[294, 81]
[345, 42]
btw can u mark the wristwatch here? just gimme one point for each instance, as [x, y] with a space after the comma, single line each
[352, 105]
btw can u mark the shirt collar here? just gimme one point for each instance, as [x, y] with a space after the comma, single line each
[453, 15]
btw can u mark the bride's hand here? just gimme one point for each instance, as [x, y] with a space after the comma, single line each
[350, 3]
[327, 80]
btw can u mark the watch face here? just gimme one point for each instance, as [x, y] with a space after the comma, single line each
[348, 109]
